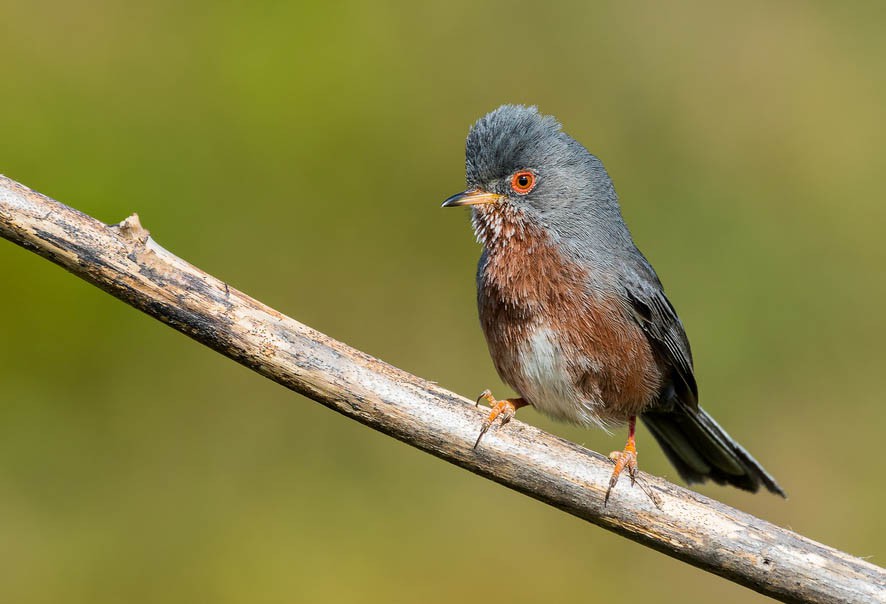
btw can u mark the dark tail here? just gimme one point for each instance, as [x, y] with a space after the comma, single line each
[700, 450]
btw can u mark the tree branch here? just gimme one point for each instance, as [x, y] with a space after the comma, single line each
[124, 261]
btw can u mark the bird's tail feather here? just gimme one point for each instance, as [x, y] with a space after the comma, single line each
[700, 450]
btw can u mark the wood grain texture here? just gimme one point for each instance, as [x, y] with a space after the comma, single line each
[125, 261]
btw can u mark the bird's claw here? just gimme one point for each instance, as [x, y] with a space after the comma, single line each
[487, 394]
[624, 460]
[503, 409]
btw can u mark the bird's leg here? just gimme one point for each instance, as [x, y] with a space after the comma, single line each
[626, 458]
[505, 409]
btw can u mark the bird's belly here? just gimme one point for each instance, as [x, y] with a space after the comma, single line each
[577, 372]
[548, 377]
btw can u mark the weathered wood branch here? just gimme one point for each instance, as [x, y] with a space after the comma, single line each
[125, 261]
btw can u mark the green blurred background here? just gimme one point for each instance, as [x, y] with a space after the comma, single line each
[301, 153]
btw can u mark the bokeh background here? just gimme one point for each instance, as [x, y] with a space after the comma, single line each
[301, 152]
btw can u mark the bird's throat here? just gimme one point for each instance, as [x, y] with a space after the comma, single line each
[520, 266]
[498, 225]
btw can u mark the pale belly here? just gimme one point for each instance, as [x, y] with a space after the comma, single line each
[571, 383]
[548, 379]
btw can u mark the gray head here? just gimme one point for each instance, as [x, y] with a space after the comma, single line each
[521, 164]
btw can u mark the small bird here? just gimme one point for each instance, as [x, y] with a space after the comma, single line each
[575, 317]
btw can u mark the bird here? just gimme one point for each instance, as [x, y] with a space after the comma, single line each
[575, 318]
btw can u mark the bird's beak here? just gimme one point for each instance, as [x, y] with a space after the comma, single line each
[471, 197]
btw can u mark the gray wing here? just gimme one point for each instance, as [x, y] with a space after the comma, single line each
[655, 314]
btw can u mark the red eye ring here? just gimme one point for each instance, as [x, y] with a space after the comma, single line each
[523, 182]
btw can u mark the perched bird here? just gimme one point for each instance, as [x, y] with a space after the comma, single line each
[575, 317]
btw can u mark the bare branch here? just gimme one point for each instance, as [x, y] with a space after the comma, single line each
[124, 261]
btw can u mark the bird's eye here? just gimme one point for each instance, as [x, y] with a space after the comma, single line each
[523, 182]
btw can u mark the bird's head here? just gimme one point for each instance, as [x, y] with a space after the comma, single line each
[521, 166]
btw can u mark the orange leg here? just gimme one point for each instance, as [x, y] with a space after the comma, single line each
[505, 409]
[626, 458]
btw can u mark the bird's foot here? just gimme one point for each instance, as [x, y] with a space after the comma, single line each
[625, 459]
[503, 409]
